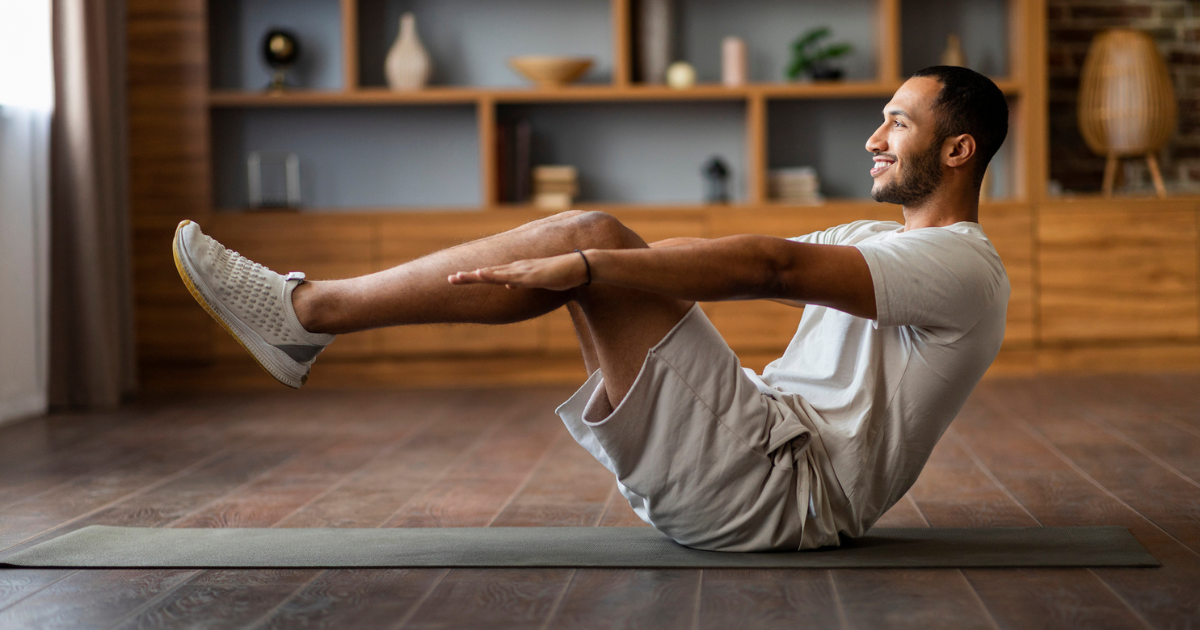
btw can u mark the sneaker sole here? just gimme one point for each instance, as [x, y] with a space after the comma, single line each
[270, 359]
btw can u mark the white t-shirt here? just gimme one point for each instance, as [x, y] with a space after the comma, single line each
[882, 392]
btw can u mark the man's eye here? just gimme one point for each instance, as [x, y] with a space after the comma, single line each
[898, 123]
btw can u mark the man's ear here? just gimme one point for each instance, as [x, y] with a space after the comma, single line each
[958, 150]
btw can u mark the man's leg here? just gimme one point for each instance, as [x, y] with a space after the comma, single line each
[616, 326]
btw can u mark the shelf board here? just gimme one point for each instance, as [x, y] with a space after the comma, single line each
[436, 95]
[338, 98]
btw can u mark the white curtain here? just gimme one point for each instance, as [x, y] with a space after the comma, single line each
[26, 97]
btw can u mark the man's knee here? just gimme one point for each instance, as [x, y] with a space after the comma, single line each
[600, 230]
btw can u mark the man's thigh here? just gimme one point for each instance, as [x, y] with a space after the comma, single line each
[617, 327]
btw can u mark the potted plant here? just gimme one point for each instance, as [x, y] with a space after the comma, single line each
[811, 58]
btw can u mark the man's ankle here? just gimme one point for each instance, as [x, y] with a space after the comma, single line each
[305, 304]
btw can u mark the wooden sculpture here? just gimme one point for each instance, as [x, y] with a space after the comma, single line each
[1126, 103]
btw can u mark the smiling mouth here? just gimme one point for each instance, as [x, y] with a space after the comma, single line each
[882, 164]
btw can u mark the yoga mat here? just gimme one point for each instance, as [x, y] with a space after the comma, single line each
[623, 547]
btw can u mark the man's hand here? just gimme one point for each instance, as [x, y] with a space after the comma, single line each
[557, 273]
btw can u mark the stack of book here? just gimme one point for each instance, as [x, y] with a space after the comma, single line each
[554, 187]
[798, 185]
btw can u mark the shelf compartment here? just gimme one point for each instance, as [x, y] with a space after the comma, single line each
[829, 136]
[983, 26]
[469, 41]
[769, 27]
[236, 29]
[370, 157]
[619, 148]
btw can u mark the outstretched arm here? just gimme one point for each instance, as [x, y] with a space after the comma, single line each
[744, 267]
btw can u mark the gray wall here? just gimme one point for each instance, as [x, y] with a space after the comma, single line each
[355, 157]
[982, 25]
[769, 27]
[236, 29]
[470, 41]
[645, 152]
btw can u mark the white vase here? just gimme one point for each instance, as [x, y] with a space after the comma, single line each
[407, 66]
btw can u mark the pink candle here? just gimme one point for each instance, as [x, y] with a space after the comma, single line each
[733, 61]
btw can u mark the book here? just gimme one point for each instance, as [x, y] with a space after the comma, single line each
[522, 159]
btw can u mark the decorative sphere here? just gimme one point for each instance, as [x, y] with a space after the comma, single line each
[280, 48]
[681, 75]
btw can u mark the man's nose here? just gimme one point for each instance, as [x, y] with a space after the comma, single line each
[877, 143]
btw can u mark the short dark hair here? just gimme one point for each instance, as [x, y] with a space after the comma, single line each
[970, 103]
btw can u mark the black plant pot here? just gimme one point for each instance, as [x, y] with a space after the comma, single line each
[824, 72]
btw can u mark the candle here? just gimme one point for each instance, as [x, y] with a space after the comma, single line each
[733, 61]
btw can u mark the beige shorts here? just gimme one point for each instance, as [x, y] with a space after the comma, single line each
[698, 450]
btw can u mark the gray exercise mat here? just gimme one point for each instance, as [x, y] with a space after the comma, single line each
[617, 547]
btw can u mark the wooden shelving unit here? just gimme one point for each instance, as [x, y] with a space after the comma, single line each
[622, 89]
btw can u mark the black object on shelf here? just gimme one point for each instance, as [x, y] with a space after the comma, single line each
[716, 181]
[280, 49]
[522, 161]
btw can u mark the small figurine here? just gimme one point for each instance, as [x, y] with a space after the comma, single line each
[716, 181]
[280, 49]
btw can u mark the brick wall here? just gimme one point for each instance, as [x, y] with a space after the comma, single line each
[1175, 24]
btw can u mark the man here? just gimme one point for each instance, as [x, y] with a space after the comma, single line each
[901, 323]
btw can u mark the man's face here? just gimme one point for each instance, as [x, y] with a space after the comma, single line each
[907, 156]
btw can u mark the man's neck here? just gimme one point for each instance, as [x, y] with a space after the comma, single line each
[940, 211]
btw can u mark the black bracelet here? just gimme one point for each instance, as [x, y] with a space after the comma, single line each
[585, 266]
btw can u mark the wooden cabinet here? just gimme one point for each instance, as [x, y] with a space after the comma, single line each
[1120, 270]
[1010, 228]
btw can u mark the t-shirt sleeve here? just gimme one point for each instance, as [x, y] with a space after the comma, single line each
[834, 235]
[816, 238]
[932, 279]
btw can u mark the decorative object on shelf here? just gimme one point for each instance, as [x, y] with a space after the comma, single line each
[798, 185]
[716, 181]
[681, 75]
[1127, 105]
[953, 54]
[550, 71]
[811, 59]
[280, 49]
[273, 180]
[407, 66]
[554, 187]
[733, 61]
[514, 142]
[655, 39]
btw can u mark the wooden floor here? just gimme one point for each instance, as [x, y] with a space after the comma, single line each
[1113, 450]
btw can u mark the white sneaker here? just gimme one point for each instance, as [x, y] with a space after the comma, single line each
[250, 301]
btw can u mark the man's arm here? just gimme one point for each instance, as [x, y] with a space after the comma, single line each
[688, 240]
[744, 267]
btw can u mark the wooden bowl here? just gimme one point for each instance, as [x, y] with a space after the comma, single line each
[548, 71]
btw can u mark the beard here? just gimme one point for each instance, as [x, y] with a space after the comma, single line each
[917, 183]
